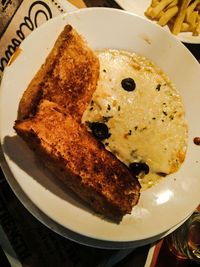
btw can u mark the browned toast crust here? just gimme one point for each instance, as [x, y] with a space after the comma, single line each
[80, 161]
[68, 77]
[49, 120]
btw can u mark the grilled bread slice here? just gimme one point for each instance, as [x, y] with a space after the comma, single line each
[81, 162]
[68, 77]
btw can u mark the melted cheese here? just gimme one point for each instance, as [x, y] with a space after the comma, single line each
[146, 124]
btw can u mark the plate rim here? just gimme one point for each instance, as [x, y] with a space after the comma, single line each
[64, 16]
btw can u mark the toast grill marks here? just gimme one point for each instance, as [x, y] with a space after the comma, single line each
[68, 77]
[92, 172]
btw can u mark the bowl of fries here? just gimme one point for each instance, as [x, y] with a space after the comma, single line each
[180, 17]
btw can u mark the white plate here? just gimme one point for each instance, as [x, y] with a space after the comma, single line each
[66, 232]
[139, 7]
[161, 207]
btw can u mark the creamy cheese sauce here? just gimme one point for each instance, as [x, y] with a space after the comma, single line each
[146, 124]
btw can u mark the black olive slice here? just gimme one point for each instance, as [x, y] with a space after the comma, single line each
[139, 167]
[99, 130]
[128, 84]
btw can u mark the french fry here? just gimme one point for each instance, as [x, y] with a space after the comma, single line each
[161, 5]
[160, 15]
[173, 3]
[193, 18]
[185, 27]
[196, 31]
[148, 12]
[191, 8]
[179, 20]
[170, 13]
[154, 3]
[179, 15]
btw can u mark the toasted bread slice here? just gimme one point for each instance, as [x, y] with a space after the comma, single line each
[80, 161]
[68, 77]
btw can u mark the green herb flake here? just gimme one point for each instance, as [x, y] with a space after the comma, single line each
[106, 118]
[133, 152]
[144, 128]
[158, 87]
[108, 107]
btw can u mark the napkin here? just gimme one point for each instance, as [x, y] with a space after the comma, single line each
[19, 18]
